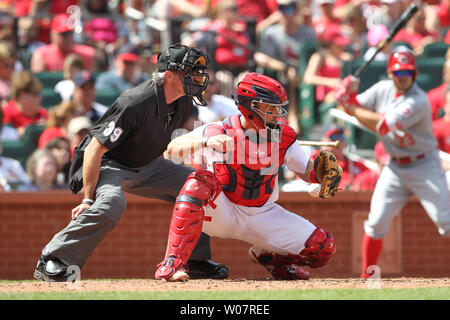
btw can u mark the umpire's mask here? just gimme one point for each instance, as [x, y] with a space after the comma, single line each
[192, 63]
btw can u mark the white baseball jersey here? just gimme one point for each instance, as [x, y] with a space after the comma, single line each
[269, 227]
[408, 117]
[410, 135]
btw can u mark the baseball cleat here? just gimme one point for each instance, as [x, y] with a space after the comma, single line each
[279, 266]
[179, 276]
[206, 269]
[171, 270]
[51, 271]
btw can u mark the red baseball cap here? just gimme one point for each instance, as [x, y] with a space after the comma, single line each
[128, 57]
[335, 133]
[334, 34]
[61, 23]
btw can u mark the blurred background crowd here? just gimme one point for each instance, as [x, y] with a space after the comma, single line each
[64, 62]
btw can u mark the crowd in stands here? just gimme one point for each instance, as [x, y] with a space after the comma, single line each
[63, 63]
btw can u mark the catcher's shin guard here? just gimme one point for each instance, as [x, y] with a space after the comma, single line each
[319, 249]
[201, 188]
[282, 267]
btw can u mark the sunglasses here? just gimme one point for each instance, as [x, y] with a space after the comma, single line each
[402, 73]
[287, 9]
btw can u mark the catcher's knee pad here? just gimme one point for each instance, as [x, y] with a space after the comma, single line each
[319, 249]
[201, 188]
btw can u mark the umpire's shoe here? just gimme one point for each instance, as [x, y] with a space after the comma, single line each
[206, 269]
[51, 270]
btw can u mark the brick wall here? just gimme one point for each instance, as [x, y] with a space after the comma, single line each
[137, 244]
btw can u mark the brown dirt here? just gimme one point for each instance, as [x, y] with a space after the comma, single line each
[230, 284]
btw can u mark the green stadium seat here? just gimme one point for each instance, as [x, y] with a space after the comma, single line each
[307, 100]
[49, 79]
[23, 148]
[435, 50]
[50, 98]
[107, 97]
[374, 73]
[430, 72]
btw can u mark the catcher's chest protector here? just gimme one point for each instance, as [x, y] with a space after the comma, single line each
[249, 177]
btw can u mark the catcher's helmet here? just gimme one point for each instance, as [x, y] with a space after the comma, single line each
[192, 62]
[257, 88]
[402, 59]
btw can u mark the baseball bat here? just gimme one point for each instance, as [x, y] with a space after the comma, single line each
[335, 144]
[399, 24]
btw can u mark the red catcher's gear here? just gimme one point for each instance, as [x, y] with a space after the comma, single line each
[282, 267]
[320, 248]
[255, 88]
[201, 188]
[249, 177]
[402, 60]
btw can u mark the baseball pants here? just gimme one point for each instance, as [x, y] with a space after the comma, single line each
[161, 179]
[398, 183]
[269, 228]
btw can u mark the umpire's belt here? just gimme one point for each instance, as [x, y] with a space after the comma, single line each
[407, 160]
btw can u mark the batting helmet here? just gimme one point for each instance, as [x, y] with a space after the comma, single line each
[258, 88]
[402, 59]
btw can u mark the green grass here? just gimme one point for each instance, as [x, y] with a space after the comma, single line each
[309, 294]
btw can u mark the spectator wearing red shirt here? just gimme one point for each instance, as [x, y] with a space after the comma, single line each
[441, 127]
[51, 57]
[24, 109]
[350, 169]
[326, 19]
[57, 122]
[325, 66]
[33, 7]
[226, 26]
[443, 13]
[436, 96]
[416, 34]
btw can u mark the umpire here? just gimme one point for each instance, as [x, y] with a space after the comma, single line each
[123, 153]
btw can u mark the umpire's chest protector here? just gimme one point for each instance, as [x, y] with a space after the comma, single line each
[249, 176]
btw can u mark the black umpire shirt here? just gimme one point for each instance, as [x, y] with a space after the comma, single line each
[138, 126]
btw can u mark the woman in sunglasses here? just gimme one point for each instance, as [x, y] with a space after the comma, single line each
[397, 109]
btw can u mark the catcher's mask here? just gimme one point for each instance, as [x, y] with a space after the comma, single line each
[262, 100]
[192, 63]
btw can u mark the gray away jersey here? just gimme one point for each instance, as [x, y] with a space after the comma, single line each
[408, 118]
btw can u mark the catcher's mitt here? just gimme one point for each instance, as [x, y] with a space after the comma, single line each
[328, 173]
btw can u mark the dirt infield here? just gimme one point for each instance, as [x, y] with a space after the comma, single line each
[230, 285]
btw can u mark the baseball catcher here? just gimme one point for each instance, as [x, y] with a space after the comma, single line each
[235, 197]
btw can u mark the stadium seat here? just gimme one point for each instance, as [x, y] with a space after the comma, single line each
[374, 73]
[107, 97]
[49, 79]
[430, 72]
[23, 148]
[307, 100]
[50, 98]
[435, 50]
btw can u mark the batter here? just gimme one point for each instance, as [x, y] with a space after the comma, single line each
[398, 110]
